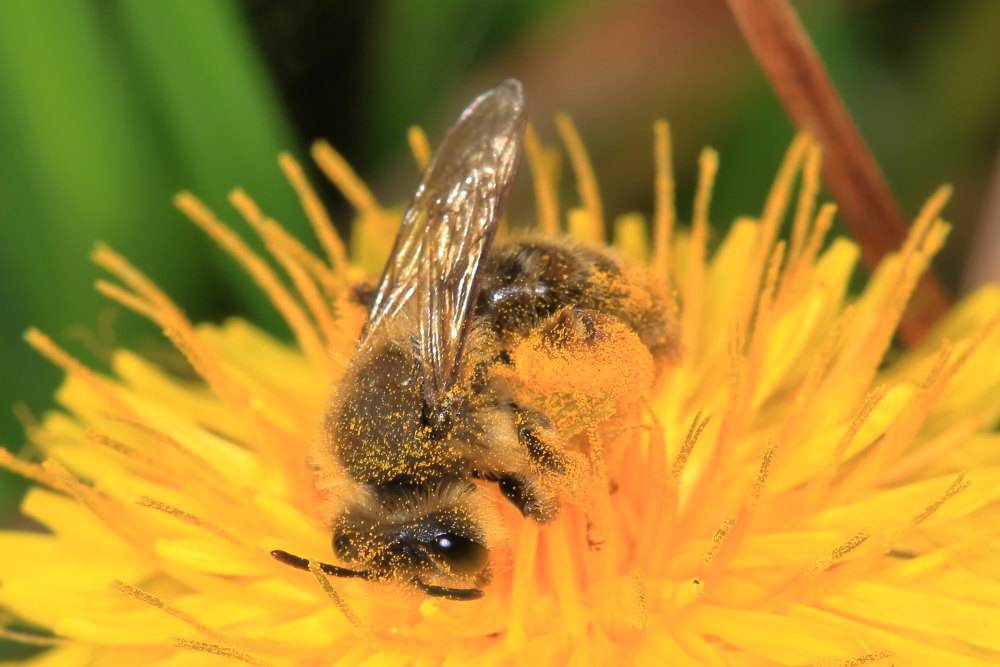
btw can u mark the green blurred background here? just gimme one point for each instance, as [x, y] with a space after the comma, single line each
[107, 108]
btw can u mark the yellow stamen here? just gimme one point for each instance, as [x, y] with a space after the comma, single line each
[162, 605]
[665, 209]
[773, 215]
[797, 420]
[807, 201]
[817, 488]
[765, 302]
[727, 539]
[318, 216]
[901, 433]
[708, 165]
[640, 620]
[193, 475]
[820, 227]
[101, 506]
[925, 219]
[705, 498]
[126, 298]
[176, 327]
[318, 306]
[419, 146]
[191, 520]
[580, 225]
[762, 474]
[853, 570]
[543, 163]
[806, 258]
[715, 545]
[866, 659]
[219, 650]
[763, 317]
[197, 470]
[279, 240]
[74, 368]
[781, 191]
[340, 174]
[30, 639]
[32, 471]
[361, 628]
[276, 244]
[838, 553]
[906, 427]
[957, 486]
[258, 269]
[586, 183]
[332, 283]
[859, 364]
[630, 236]
[694, 432]
[128, 451]
[808, 578]
[666, 532]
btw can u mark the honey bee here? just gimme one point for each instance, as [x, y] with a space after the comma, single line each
[422, 409]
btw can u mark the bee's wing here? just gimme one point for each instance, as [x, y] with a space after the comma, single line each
[448, 229]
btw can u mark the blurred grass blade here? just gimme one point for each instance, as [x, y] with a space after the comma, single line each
[220, 117]
[801, 82]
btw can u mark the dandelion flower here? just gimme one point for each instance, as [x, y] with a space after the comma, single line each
[792, 490]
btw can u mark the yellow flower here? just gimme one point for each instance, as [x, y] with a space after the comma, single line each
[791, 491]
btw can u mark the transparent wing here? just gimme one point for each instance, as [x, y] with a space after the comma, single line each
[447, 231]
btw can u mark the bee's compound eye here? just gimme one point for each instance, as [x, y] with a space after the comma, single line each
[344, 547]
[461, 555]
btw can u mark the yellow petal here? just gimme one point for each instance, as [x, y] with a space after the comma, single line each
[918, 610]
[787, 641]
[892, 508]
[904, 651]
[207, 555]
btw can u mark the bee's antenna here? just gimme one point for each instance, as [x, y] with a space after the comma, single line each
[300, 563]
[303, 564]
[449, 593]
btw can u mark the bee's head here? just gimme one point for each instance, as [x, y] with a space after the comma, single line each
[415, 532]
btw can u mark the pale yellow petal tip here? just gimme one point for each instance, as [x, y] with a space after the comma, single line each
[788, 489]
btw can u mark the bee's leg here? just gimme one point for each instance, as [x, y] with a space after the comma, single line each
[535, 502]
[448, 593]
[482, 371]
[541, 440]
[573, 326]
[300, 563]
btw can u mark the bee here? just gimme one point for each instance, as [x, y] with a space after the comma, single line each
[422, 411]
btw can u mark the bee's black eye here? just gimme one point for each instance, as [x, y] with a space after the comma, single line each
[459, 554]
[344, 547]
